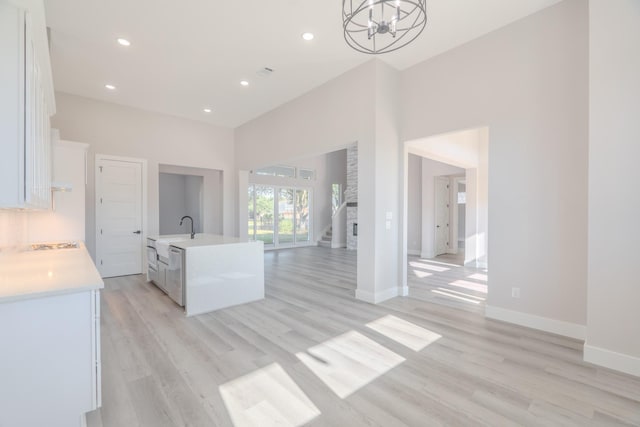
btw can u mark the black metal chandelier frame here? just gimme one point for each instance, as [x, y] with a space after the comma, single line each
[387, 24]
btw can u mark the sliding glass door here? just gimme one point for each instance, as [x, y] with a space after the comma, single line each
[302, 216]
[261, 213]
[279, 216]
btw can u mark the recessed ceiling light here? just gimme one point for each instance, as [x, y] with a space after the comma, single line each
[124, 42]
[244, 83]
[307, 36]
[110, 87]
[206, 110]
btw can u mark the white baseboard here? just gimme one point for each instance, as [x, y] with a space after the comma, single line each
[558, 327]
[612, 360]
[338, 245]
[378, 297]
[404, 291]
[414, 252]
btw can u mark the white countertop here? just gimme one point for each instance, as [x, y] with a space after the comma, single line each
[35, 274]
[201, 239]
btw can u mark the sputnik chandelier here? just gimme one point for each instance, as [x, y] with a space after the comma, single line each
[381, 26]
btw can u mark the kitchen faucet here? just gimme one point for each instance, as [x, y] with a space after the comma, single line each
[193, 233]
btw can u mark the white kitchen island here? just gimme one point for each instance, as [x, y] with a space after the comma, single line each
[214, 271]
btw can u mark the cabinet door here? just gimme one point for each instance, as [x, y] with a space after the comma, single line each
[25, 152]
[37, 126]
[46, 362]
[162, 281]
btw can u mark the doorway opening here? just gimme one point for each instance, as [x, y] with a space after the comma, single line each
[446, 217]
[196, 192]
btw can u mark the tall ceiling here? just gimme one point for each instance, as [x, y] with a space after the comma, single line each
[191, 54]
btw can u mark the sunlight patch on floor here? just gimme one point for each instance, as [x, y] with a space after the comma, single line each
[267, 397]
[440, 263]
[428, 266]
[403, 332]
[469, 285]
[349, 361]
[479, 276]
[422, 274]
[451, 294]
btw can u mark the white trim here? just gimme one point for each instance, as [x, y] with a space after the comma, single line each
[414, 252]
[403, 291]
[558, 327]
[338, 245]
[610, 359]
[144, 202]
[378, 297]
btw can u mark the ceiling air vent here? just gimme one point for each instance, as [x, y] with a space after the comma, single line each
[264, 72]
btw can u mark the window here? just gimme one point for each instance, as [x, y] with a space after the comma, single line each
[305, 174]
[279, 216]
[282, 171]
[336, 197]
[462, 197]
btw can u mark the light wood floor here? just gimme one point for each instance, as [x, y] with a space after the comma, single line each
[312, 353]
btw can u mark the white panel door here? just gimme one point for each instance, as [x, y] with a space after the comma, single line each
[442, 215]
[119, 248]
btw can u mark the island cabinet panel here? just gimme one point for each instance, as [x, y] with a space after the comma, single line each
[50, 359]
[223, 275]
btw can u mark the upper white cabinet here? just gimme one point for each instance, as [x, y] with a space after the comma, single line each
[26, 103]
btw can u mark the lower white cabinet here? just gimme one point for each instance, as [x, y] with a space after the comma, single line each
[50, 360]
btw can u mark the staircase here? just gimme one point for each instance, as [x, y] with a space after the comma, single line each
[325, 240]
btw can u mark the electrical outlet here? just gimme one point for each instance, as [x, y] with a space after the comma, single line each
[515, 292]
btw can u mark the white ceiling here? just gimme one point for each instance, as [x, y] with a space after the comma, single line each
[190, 54]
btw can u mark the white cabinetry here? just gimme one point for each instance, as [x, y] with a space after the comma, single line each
[26, 103]
[50, 360]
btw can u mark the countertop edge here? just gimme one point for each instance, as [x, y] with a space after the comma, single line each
[50, 293]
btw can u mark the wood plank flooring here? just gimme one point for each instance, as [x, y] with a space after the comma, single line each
[311, 354]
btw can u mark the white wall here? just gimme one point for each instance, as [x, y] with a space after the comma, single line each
[180, 195]
[336, 171]
[67, 220]
[194, 188]
[414, 205]
[529, 87]
[123, 131]
[171, 202]
[387, 187]
[613, 335]
[204, 198]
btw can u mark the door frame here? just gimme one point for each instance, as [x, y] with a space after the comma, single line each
[447, 180]
[455, 232]
[143, 204]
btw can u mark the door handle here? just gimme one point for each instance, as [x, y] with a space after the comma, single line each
[137, 232]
